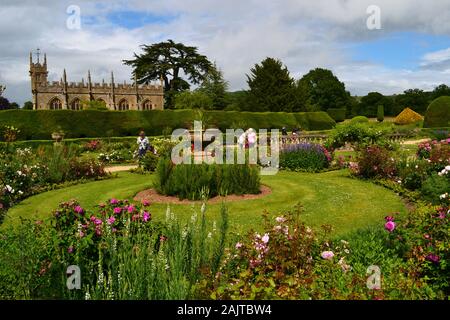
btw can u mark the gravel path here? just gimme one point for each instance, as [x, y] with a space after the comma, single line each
[120, 168]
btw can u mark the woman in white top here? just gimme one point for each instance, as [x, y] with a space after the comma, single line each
[143, 144]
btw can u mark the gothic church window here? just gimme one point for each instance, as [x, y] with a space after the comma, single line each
[55, 104]
[147, 105]
[123, 105]
[76, 104]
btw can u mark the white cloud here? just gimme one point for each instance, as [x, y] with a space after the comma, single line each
[237, 34]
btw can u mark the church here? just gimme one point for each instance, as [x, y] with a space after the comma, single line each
[60, 95]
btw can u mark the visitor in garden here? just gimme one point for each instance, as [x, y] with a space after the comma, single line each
[143, 144]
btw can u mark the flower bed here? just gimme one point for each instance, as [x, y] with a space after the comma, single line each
[304, 157]
[198, 181]
[26, 172]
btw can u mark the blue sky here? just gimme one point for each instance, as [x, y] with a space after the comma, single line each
[399, 50]
[412, 49]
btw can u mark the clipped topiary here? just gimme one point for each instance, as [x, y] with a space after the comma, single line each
[380, 113]
[408, 116]
[438, 113]
[359, 119]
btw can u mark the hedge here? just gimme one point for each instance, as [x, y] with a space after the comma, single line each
[438, 113]
[338, 115]
[39, 125]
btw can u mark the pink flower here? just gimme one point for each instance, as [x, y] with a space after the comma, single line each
[238, 245]
[111, 220]
[254, 263]
[327, 255]
[98, 221]
[117, 210]
[78, 210]
[433, 258]
[265, 238]
[145, 203]
[390, 226]
[130, 209]
[93, 218]
[70, 249]
[146, 216]
[114, 201]
[81, 234]
[280, 219]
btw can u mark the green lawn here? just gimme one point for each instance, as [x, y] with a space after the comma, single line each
[328, 198]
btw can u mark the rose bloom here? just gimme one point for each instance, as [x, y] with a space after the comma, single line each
[146, 216]
[114, 201]
[390, 226]
[117, 210]
[111, 220]
[327, 255]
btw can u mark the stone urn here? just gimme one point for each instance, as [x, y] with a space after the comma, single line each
[57, 136]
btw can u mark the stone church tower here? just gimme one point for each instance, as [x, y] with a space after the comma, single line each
[61, 94]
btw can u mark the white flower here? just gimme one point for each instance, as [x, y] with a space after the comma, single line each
[20, 192]
[443, 196]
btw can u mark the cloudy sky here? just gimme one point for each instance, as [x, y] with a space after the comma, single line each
[411, 50]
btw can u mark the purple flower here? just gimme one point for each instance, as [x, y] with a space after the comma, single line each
[146, 216]
[114, 201]
[111, 220]
[390, 226]
[433, 258]
[78, 210]
[117, 210]
[327, 255]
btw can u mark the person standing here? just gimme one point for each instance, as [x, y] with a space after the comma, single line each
[143, 144]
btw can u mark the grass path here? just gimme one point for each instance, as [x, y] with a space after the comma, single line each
[328, 198]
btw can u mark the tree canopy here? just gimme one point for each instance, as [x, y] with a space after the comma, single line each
[325, 90]
[215, 87]
[170, 62]
[271, 87]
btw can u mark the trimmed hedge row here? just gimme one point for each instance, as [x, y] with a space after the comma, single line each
[338, 115]
[39, 125]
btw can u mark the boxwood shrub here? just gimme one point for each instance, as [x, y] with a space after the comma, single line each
[438, 113]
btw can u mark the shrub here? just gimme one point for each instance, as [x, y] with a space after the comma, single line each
[375, 162]
[438, 113]
[408, 116]
[338, 115]
[380, 113]
[435, 186]
[412, 173]
[358, 134]
[196, 181]
[149, 162]
[304, 157]
[359, 119]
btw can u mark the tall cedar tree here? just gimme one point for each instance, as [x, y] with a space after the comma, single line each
[271, 87]
[169, 61]
[215, 87]
[325, 90]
